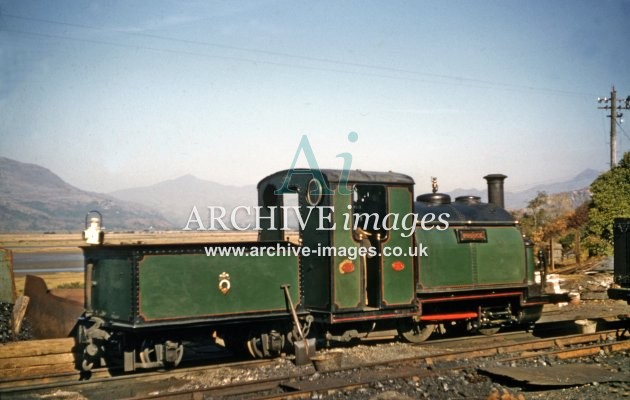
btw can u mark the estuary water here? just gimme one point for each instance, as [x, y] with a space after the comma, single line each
[47, 262]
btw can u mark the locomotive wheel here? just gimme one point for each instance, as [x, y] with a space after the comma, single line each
[254, 346]
[179, 354]
[457, 328]
[266, 344]
[415, 332]
[145, 355]
[87, 365]
[489, 331]
[147, 352]
[90, 353]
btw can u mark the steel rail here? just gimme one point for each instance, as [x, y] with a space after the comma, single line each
[417, 366]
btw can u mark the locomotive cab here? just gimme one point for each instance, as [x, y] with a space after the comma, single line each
[356, 260]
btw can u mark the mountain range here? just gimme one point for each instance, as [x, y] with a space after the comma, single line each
[32, 198]
[577, 189]
[175, 198]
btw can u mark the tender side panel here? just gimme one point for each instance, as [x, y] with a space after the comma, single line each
[398, 284]
[450, 262]
[189, 285]
[112, 288]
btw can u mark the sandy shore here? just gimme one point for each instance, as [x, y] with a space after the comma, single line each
[69, 242]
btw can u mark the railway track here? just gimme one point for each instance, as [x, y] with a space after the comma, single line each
[298, 383]
[353, 377]
[38, 362]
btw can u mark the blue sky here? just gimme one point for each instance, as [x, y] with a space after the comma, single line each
[111, 95]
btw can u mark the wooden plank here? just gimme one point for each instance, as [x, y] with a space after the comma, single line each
[19, 309]
[36, 347]
[593, 337]
[51, 360]
[589, 351]
[625, 345]
[13, 376]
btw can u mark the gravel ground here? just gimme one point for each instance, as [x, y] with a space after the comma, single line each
[469, 383]
[6, 334]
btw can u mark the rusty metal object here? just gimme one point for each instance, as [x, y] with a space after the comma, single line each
[52, 314]
[557, 375]
[304, 348]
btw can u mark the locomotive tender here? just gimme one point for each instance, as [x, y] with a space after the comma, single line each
[465, 265]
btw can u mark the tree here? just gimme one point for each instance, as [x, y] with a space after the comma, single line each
[611, 199]
[533, 218]
[537, 206]
[579, 217]
[576, 222]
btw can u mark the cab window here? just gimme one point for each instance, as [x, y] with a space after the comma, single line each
[369, 208]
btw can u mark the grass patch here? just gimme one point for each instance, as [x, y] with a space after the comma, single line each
[71, 285]
[53, 280]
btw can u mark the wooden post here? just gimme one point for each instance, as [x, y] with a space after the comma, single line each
[19, 310]
[578, 249]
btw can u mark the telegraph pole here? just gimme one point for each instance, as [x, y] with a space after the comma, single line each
[612, 104]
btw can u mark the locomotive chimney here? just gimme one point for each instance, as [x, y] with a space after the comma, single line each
[495, 189]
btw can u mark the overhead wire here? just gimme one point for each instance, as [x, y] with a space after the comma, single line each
[232, 58]
[623, 131]
[454, 79]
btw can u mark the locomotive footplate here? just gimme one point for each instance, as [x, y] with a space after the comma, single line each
[547, 298]
[362, 315]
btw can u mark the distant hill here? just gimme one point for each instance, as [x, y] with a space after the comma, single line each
[32, 198]
[175, 198]
[576, 189]
[558, 204]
